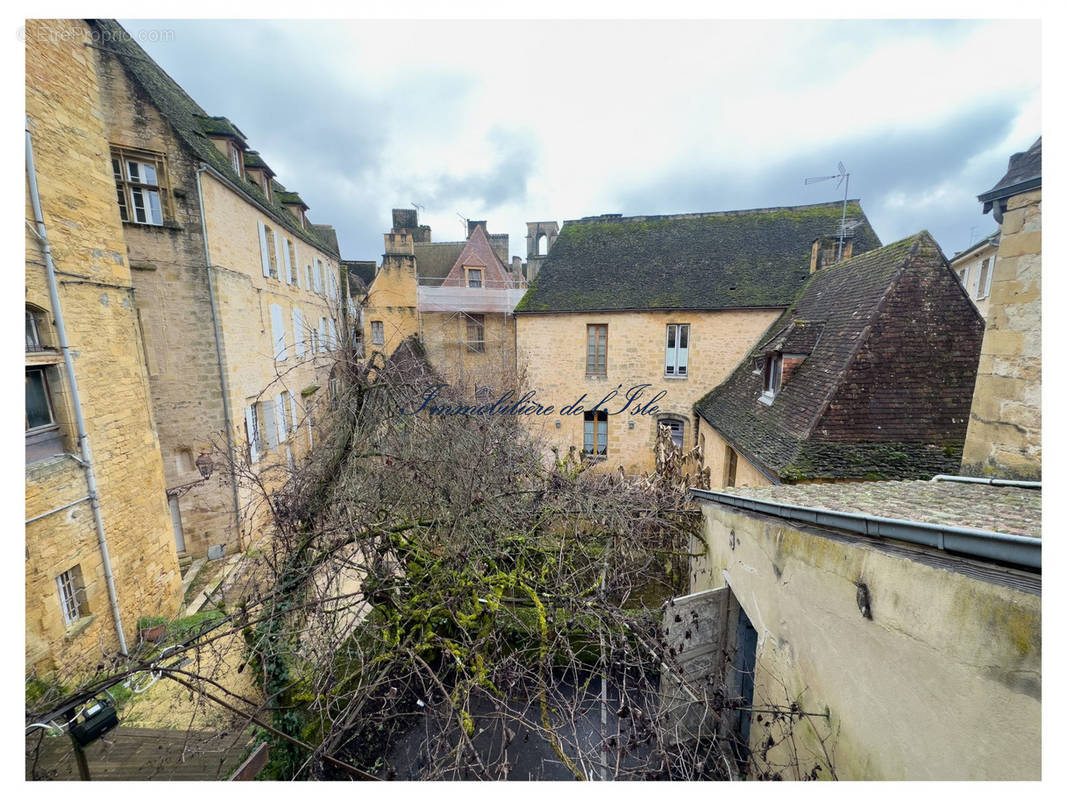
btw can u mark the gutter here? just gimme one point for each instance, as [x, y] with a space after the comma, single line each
[75, 398]
[1009, 548]
[988, 481]
[227, 418]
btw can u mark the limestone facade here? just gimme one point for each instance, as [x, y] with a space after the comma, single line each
[97, 295]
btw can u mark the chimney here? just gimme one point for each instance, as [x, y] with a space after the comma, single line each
[474, 223]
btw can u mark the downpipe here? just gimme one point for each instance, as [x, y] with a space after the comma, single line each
[79, 419]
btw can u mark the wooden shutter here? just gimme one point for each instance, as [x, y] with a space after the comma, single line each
[277, 330]
[264, 254]
[286, 261]
[277, 253]
[270, 427]
[298, 331]
[279, 416]
[296, 265]
[250, 432]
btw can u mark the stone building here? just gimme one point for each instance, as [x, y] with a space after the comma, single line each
[975, 267]
[669, 303]
[904, 616]
[70, 601]
[1004, 434]
[456, 297]
[238, 295]
[867, 376]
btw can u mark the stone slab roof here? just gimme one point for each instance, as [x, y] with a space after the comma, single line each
[757, 258]
[1003, 509]
[1024, 173]
[891, 346]
[435, 259]
[192, 124]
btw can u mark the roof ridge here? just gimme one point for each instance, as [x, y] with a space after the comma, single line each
[699, 214]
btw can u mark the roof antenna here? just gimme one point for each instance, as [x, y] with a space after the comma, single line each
[464, 224]
[842, 177]
[418, 209]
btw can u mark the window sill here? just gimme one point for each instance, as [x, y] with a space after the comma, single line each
[79, 627]
[598, 376]
[589, 458]
[675, 377]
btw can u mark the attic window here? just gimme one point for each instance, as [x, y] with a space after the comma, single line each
[772, 376]
[237, 160]
[474, 278]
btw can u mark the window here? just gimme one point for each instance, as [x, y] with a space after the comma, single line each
[377, 333]
[596, 357]
[677, 429]
[33, 331]
[268, 250]
[596, 433]
[730, 471]
[298, 332]
[964, 274]
[277, 332]
[985, 278]
[772, 375]
[290, 262]
[38, 400]
[254, 432]
[72, 595]
[140, 185]
[236, 159]
[476, 333]
[677, 351]
[542, 245]
[474, 278]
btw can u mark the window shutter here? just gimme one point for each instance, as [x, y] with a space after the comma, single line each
[269, 425]
[292, 409]
[285, 260]
[298, 332]
[277, 252]
[318, 276]
[250, 432]
[333, 334]
[279, 416]
[322, 333]
[264, 255]
[989, 276]
[277, 330]
[296, 264]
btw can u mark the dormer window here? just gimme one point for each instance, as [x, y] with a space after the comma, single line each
[236, 159]
[772, 377]
[474, 278]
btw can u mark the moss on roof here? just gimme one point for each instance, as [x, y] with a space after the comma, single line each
[253, 160]
[733, 259]
[189, 120]
[220, 126]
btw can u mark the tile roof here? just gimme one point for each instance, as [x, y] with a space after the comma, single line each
[435, 259]
[731, 259]
[891, 344]
[192, 124]
[1003, 509]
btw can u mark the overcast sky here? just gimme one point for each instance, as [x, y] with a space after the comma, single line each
[519, 121]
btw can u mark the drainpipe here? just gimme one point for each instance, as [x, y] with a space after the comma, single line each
[987, 481]
[79, 419]
[218, 354]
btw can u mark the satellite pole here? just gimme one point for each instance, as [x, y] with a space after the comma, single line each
[841, 177]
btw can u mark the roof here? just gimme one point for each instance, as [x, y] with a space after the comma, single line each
[435, 259]
[992, 239]
[757, 258]
[192, 124]
[479, 252]
[253, 160]
[363, 271]
[1024, 174]
[890, 345]
[1003, 509]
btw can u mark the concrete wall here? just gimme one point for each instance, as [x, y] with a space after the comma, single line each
[552, 353]
[942, 682]
[78, 197]
[1004, 434]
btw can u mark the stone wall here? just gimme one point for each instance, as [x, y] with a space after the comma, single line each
[78, 197]
[552, 358]
[1004, 434]
[941, 682]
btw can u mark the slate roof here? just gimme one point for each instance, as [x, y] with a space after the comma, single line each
[435, 259]
[757, 258]
[1003, 509]
[360, 274]
[1024, 174]
[891, 344]
[192, 124]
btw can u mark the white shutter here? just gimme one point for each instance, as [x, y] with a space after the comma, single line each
[277, 331]
[318, 276]
[333, 334]
[296, 264]
[322, 333]
[292, 409]
[264, 255]
[277, 252]
[279, 416]
[250, 432]
[298, 332]
[270, 427]
[286, 261]
[989, 276]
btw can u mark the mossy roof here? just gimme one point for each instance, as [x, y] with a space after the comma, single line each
[827, 323]
[756, 258]
[253, 160]
[193, 125]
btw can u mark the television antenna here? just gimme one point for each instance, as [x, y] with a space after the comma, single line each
[418, 207]
[841, 177]
[464, 224]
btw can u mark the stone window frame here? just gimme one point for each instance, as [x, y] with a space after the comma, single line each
[125, 186]
[595, 422]
[666, 420]
[468, 272]
[71, 589]
[596, 353]
[377, 332]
